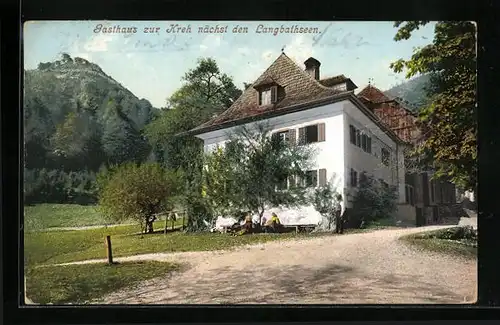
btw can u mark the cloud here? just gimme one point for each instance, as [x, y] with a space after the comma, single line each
[98, 43]
[244, 51]
[210, 42]
[300, 48]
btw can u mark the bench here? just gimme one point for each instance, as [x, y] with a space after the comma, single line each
[301, 227]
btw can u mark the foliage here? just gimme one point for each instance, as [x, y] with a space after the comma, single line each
[78, 284]
[69, 107]
[254, 164]
[138, 192]
[373, 201]
[216, 181]
[412, 92]
[57, 186]
[206, 92]
[326, 200]
[450, 118]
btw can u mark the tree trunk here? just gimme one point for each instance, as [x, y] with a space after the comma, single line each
[149, 225]
[261, 214]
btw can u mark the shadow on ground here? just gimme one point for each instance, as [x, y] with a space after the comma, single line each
[334, 284]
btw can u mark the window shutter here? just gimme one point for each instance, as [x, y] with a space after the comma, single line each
[322, 177]
[352, 133]
[259, 97]
[302, 136]
[274, 94]
[321, 132]
[292, 135]
[369, 144]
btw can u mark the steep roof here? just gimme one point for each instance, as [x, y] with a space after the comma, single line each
[299, 88]
[331, 81]
[373, 94]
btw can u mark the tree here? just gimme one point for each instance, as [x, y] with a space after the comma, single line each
[257, 166]
[325, 200]
[450, 118]
[138, 192]
[372, 201]
[122, 139]
[205, 92]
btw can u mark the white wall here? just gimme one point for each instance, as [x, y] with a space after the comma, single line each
[336, 154]
[329, 154]
[371, 163]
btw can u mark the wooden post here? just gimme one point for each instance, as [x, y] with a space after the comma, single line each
[166, 224]
[109, 251]
[183, 219]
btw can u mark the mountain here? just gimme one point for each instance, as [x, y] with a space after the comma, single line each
[77, 117]
[412, 91]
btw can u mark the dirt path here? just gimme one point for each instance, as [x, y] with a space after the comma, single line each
[367, 268]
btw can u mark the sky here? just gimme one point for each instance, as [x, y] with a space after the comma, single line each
[152, 65]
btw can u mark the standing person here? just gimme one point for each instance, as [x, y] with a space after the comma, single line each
[338, 214]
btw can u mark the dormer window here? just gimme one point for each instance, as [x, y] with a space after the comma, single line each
[268, 96]
[267, 91]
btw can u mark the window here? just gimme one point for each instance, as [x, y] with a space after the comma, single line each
[310, 179]
[282, 184]
[312, 133]
[354, 178]
[409, 195]
[283, 136]
[352, 134]
[360, 139]
[268, 96]
[384, 184]
[265, 97]
[385, 156]
[433, 190]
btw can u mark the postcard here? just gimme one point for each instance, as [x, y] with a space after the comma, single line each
[249, 162]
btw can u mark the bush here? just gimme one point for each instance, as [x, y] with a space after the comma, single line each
[137, 192]
[326, 201]
[373, 201]
[466, 233]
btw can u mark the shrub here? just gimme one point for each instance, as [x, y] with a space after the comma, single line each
[138, 192]
[372, 201]
[326, 200]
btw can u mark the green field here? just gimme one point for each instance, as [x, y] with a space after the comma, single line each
[43, 216]
[78, 284]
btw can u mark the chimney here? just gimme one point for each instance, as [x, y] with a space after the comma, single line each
[312, 67]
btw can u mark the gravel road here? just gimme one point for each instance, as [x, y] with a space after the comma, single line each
[365, 268]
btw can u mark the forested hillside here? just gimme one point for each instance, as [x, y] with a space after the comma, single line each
[412, 91]
[77, 119]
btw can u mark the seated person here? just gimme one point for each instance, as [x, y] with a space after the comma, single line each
[273, 224]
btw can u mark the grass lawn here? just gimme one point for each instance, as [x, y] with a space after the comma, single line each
[430, 241]
[78, 284]
[42, 216]
[70, 246]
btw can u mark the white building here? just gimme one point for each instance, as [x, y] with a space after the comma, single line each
[296, 103]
